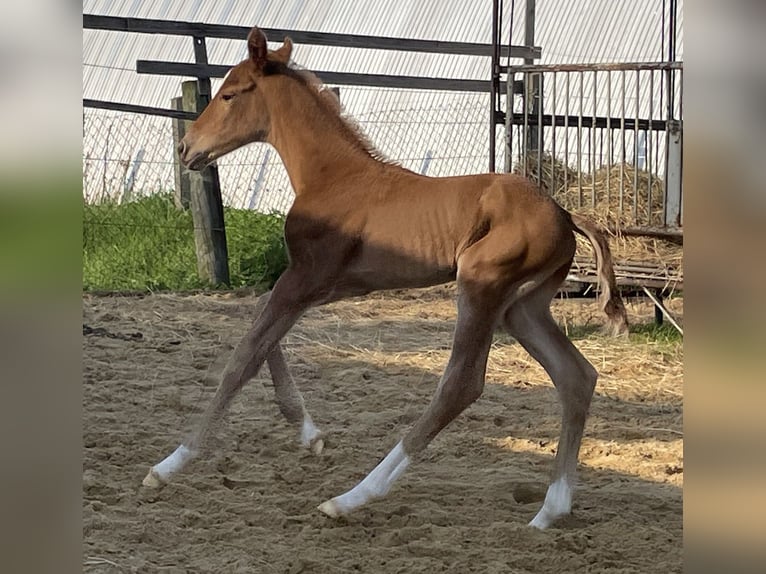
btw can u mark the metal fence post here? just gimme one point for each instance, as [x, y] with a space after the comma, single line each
[673, 179]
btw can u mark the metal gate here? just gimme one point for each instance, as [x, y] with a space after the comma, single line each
[602, 136]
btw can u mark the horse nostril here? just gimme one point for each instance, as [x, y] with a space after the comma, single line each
[181, 148]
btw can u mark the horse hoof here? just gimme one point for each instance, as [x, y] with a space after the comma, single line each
[329, 508]
[152, 480]
[316, 446]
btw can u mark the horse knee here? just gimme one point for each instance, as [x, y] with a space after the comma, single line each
[576, 390]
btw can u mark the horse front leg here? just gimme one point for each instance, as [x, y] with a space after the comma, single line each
[291, 296]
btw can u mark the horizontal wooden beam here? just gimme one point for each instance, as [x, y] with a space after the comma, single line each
[339, 78]
[136, 109]
[169, 27]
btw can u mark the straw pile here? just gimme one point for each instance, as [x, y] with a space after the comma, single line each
[613, 209]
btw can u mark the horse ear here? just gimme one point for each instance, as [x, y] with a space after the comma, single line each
[256, 45]
[283, 54]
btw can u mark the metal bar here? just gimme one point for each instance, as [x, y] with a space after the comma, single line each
[635, 149]
[539, 127]
[340, 78]
[135, 109]
[534, 138]
[609, 139]
[605, 67]
[524, 145]
[601, 122]
[672, 32]
[553, 139]
[493, 85]
[200, 50]
[658, 304]
[671, 55]
[674, 137]
[509, 117]
[649, 150]
[566, 135]
[657, 144]
[511, 78]
[204, 87]
[593, 168]
[579, 143]
[675, 233]
[529, 26]
[622, 137]
[174, 28]
[601, 148]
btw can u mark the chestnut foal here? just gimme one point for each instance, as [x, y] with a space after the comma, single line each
[361, 224]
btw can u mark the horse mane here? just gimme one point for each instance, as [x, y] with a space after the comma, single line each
[330, 101]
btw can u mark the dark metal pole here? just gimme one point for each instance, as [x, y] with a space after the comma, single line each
[509, 79]
[494, 83]
[529, 40]
[529, 28]
[671, 56]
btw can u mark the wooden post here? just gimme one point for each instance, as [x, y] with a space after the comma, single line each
[183, 185]
[206, 206]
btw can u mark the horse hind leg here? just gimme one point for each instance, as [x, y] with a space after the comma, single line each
[290, 401]
[286, 393]
[529, 320]
[461, 384]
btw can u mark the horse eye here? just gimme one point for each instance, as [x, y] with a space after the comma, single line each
[227, 97]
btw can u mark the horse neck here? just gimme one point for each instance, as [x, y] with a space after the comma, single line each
[311, 142]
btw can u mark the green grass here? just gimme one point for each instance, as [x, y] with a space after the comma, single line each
[148, 244]
[651, 332]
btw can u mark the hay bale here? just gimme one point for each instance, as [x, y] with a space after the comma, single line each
[612, 210]
[639, 202]
[551, 175]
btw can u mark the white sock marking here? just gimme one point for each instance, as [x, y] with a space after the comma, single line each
[558, 502]
[374, 485]
[173, 463]
[308, 432]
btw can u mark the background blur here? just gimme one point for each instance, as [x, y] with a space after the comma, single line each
[41, 202]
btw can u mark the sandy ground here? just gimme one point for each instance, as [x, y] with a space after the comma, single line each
[367, 369]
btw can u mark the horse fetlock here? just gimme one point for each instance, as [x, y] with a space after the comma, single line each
[153, 480]
[558, 503]
[311, 436]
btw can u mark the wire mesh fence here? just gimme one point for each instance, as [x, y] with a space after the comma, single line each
[136, 238]
[128, 156]
[128, 160]
[608, 138]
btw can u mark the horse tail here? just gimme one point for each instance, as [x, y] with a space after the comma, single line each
[610, 299]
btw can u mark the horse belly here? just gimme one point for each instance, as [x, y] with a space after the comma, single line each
[403, 263]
